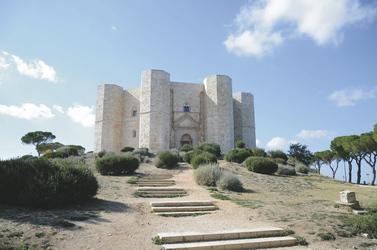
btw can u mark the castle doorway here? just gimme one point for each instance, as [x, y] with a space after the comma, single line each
[186, 139]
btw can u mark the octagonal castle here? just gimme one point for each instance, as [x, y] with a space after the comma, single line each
[161, 114]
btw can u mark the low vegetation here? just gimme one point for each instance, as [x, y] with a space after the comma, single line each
[214, 176]
[261, 165]
[45, 183]
[203, 159]
[117, 164]
[167, 159]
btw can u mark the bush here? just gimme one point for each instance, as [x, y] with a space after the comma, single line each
[51, 155]
[212, 148]
[301, 168]
[238, 155]
[191, 154]
[240, 144]
[229, 181]
[203, 159]
[101, 153]
[259, 152]
[363, 224]
[208, 175]
[44, 183]
[167, 159]
[182, 156]
[141, 151]
[279, 161]
[72, 151]
[285, 170]
[261, 165]
[186, 148]
[117, 164]
[26, 157]
[127, 149]
[278, 154]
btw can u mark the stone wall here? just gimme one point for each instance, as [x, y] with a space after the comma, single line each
[218, 104]
[153, 116]
[244, 123]
[108, 124]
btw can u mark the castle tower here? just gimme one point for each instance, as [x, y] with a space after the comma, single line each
[108, 125]
[219, 111]
[244, 123]
[155, 110]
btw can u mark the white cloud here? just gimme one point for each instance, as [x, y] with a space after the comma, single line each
[258, 142]
[27, 111]
[306, 134]
[3, 63]
[349, 96]
[58, 108]
[83, 115]
[113, 27]
[264, 24]
[35, 69]
[279, 143]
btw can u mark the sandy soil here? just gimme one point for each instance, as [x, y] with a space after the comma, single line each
[118, 220]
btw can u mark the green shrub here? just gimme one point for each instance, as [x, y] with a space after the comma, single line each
[208, 175]
[259, 152]
[285, 170]
[191, 154]
[45, 183]
[25, 157]
[203, 159]
[101, 153]
[278, 154]
[301, 168]
[279, 161]
[212, 148]
[182, 156]
[240, 144]
[229, 181]
[72, 151]
[261, 165]
[363, 224]
[326, 236]
[141, 151]
[238, 155]
[186, 148]
[167, 159]
[127, 149]
[117, 164]
[51, 155]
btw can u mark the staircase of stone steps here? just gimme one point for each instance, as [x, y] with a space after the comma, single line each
[235, 239]
[161, 191]
[155, 183]
[182, 208]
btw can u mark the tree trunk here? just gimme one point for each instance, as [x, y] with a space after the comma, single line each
[349, 171]
[358, 171]
[374, 176]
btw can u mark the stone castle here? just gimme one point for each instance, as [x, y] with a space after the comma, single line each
[161, 114]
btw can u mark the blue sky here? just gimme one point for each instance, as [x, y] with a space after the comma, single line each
[311, 65]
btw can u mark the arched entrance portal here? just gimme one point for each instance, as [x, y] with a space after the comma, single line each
[186, 139]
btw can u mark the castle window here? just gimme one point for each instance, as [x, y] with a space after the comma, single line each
[186, 108]
[134, 113]
[134, 133]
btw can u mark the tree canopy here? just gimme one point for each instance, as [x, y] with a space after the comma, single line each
[37, 138]
[300, 152]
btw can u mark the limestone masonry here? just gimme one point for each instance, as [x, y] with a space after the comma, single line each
[161, 114]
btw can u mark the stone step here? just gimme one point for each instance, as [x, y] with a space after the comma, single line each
[141, 180]
[222, 235]
[161, 195]
[154, 185]
[183, 208]
[183, 213]
[234, 244]
[143, 189]
[165, 192]
[180, 203]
